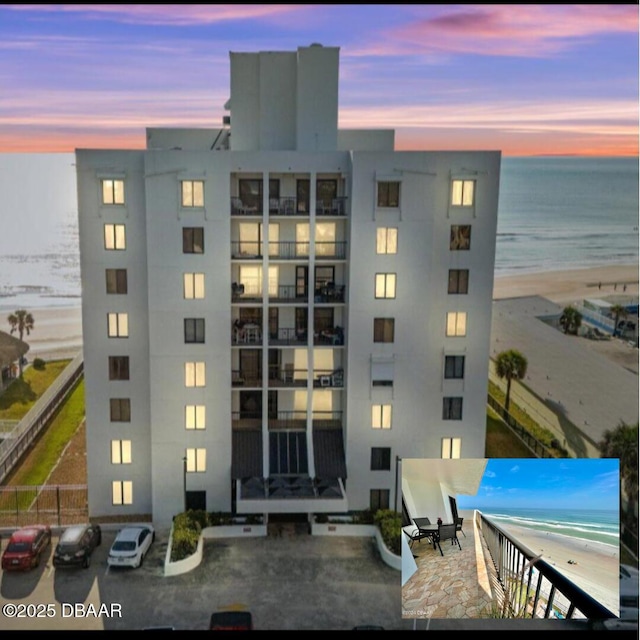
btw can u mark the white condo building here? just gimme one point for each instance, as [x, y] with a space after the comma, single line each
[277, 311]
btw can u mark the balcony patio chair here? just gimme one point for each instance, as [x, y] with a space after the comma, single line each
[459, 526]
[415, 534]
[447, 532]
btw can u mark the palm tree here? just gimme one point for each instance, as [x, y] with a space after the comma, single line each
[622, 443]
[21, 321]
[570, 320]
[510, 365]
[618, 312]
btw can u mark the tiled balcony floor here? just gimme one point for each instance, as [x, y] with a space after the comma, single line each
[455, 585]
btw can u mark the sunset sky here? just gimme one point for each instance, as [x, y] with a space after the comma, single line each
[525, 79]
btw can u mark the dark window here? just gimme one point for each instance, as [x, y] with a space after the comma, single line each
[193, 240]
[288, 452]
[388, 194]
[458, 280]
[120, 409]
[454, 367]
[326, 191]
[378, 499]
[303, 188]
[380, 458]
[251, 194]
[118, 367]
[194, 329]
[460, 239]
[383, 329]
[322, 319]
[452, 408]
[116, 280]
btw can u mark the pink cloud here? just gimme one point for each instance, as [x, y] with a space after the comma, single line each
[514, 30]
[179, 15]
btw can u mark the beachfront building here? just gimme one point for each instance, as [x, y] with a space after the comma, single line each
[276, 311]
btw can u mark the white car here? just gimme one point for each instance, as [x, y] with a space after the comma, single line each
[131, 546]
[628, 592]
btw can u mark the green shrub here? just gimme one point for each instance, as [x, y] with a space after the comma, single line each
[363, 517]
[390, 524]
[186, 533]
[218, 518]
[39, 364]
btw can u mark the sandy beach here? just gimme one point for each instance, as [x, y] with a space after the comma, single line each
[596, 568]
[58, 330]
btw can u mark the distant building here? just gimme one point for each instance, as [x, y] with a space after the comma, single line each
[277, 310]
[12, 349]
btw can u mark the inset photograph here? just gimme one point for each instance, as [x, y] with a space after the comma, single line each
[510, 538]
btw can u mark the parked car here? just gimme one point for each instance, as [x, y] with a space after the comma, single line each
[76, 545]
[131, 546]
[25, 547]
[628, 592]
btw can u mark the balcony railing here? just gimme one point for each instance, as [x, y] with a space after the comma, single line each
[242, 208]
[327, 419]
[289, 336]
[286, 206]
[532, 587]
[331, 250]
[330, 293]
[243, 378]
[337, 207]
[287, 420]
[290, 293]
[287, 250]
[328, 378]
[284, 376]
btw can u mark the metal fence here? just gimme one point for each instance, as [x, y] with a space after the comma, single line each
[39, 416]
[55, 505]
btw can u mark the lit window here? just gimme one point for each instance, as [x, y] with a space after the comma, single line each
[452, 408]
[381, 416]
[251, 280]
[114, 237]
[388, 194]
[121, 452]
[451, 447]
[194, 374]
[194, 330]
[192, 240]
[326, 239]
[194, 416]
[456, 323]
[193, 286]
[113, 192]
[116, 280]
[385, 285]
[387, 240]
[378, 499]
[196, 460]
[454, 367]
[458, 281]
[118, 367]
[122, 492]
[192, 193]
[383, 329]
[120, 409]
[118, 324]
[462, 192]
[380, 458]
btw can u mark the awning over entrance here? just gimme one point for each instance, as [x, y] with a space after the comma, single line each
[246, 457]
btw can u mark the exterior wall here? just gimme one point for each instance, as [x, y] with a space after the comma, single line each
[186, 139]
[366, 139]
[96, 304]
[420, 310]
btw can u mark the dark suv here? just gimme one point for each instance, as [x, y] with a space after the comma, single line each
[76, 545]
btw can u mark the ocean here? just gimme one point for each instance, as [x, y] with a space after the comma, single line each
[554, 213]
[582, 524]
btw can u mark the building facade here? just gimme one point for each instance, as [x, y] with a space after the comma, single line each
[277, 311]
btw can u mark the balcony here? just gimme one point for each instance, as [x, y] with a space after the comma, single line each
[287, 206]
[286, 376]
[246, 207]
[493, 576]
[334, 207]
[288, 336]
[328, 379]
[330, 293]
[246, 379]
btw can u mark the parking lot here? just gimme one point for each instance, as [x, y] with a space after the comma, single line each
[297, 581]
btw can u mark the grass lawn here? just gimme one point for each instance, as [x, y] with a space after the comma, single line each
[22, 393]
[49, 446]
[501, 442]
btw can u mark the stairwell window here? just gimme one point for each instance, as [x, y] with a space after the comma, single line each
[458, 281]
[380, 458]
[193, 286]
[113, 192]
[121, 452]
[116, 280]
[122, 492]
[378, 499]
[451, 447]
[193, 240]
[460, 237]
[120, 409]
[194, 330]
[462, 193]
[118, 367]
[383, 329]
[192, 193]
[454, 367]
